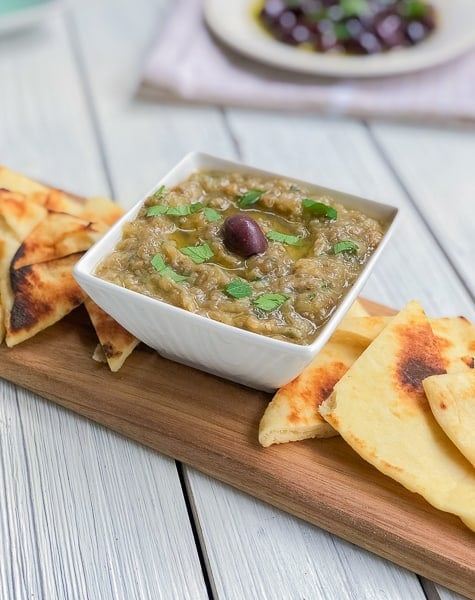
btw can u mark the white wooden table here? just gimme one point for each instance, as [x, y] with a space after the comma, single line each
[85, 513]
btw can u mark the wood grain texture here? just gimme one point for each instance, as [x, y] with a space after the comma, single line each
[212, 424]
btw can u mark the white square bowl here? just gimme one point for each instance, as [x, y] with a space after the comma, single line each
[242, 356]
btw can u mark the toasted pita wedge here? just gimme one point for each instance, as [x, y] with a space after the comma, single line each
[58, 235]
[116, 343]
[357, 309]
[380, 409]
[40, 295]
[456, 339]
[101, 209]
[292, 414]
[18, 216]
[366, 329]
[452, 401]
[11, 180]
[37, 193]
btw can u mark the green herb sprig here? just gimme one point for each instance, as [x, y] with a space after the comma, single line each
[237, 288]
[249, 198]
[319, 209]
[198, 254]
[158, 263]
[290, 240]
[269, 302]
[181, 210]
[345, 246]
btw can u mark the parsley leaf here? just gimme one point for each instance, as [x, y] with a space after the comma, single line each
[319, 209]
[159, 193]
[354, 8]
[249, 198]
[157, 209]
[211, 214]
[277, 236]
[270, 302]
[237, 288]
[345, 246]
[182, 210]
[198, 254]
[159, 265]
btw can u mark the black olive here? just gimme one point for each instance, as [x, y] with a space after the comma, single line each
[242, 235]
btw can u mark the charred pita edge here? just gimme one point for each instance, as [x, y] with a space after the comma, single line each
[116, 342]
[58, 234]
[42, 294]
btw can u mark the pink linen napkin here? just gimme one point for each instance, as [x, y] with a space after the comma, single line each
[189, 64]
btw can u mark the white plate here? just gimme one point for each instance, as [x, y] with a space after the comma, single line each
[232, 21]
[28, 16]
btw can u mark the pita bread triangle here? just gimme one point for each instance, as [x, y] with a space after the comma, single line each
[17, 218]
[293, 414]
[380, 409]
[43, 231]
[115, 341]
[41, 295]
[57, 235]
[452, 401]
[456, 340]
[37, 193]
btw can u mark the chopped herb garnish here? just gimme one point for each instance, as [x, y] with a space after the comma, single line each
[198, 254]
[277, 236]
[319, 209]
[341, 31]
[157, 209]
[345, 246]
[181, 210]
[270, 302]
[159, 193]
[211, 214]
[249, 198]
[354, 8]
[159, 265]
[414, 9]
[238, 289]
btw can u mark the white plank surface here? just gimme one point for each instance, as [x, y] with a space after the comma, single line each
[84, 512]
[436, 165]
[87, 514]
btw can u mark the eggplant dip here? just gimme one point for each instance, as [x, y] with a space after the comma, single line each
[263, 254]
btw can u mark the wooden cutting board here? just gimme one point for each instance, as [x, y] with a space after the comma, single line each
[211, 424]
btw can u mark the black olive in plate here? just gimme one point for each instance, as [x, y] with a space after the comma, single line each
[348, 26]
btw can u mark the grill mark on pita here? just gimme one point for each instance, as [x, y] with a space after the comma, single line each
[469, 361]
[419, 357]
[25, 312]
[109, 350]
[415, 369]
[317, 389]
